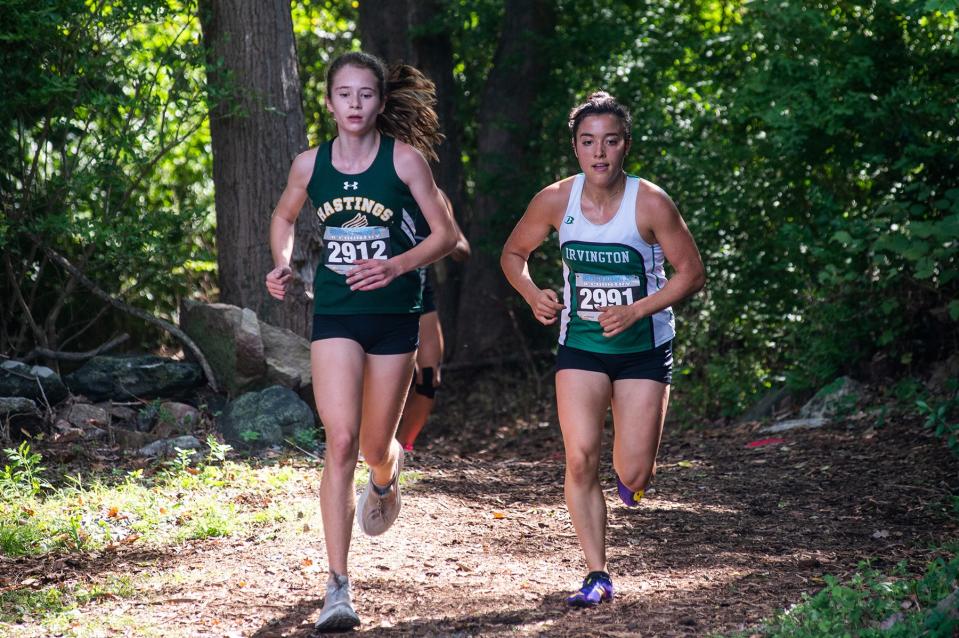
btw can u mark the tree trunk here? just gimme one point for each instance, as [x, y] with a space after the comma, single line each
[257, 128]
[520, 68]
[409, 31]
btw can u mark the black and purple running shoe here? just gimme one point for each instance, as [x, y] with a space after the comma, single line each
[628, 496]
[597, 588]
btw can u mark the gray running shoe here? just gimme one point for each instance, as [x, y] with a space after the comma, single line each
[338, 613]
[376, 512]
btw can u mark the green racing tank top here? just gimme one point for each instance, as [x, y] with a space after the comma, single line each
[368, 215]
[609, 265]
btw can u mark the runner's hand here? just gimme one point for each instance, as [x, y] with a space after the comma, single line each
[277, 281]
[545, 306]
[616, 319]
[370, 274]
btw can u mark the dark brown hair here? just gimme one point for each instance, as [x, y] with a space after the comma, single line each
[600, 103]
[409, 113]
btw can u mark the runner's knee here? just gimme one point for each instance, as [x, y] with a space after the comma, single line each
[377, 454]
[581, 467]
[429, 385]
[342, 449]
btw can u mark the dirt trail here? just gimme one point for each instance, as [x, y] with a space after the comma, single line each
[484, 546]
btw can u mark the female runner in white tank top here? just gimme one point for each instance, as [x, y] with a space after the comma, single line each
[617, 328]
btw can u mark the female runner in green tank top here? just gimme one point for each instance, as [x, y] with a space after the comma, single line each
[368, 186]
[616, 323]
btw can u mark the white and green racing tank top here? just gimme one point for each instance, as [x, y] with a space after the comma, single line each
[609, 265]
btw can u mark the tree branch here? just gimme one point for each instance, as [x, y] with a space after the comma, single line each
[125, 307]
[76, 356]
[23, 303]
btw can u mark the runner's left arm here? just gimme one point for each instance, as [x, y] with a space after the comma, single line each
[660, 217]
[412, 169]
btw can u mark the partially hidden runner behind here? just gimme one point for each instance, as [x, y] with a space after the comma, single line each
[616, 323]
[429, 356]
[368, 185]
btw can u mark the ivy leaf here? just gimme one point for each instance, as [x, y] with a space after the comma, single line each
[954, 309]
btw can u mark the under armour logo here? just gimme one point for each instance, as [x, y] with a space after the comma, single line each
[350, 185]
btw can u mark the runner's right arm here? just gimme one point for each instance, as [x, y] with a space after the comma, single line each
[542, 216]
[282, 223]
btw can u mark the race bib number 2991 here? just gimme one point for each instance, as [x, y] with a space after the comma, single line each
[595, 292]
[343, 246]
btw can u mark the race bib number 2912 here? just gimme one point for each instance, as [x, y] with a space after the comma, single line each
[595, 292]
[343, 246]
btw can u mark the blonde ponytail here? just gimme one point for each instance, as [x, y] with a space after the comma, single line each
[410, 113]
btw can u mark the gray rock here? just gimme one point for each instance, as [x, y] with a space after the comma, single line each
[287, 357]
[17, 405]
[94, 434]
[144, 377]
[767, 406]
[131, 439]
[837, 398]
[942, 372]
[258, 420]
[949, 606]
[168, 447]
[175, 419]
[121, 412]
[84, 415]
[18, 379]
[796, 424]
[229, 338]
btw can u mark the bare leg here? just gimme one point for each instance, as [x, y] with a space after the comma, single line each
[337, 366]
[582, 399]
[429, 355]
[639, 409]
[385, 384]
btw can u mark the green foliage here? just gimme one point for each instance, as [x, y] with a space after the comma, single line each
[180, 463]
[809, 147]
[305, 438]
[218, 451]
[105, 159]
[21, 478]
[323, 29]
[250, 436]
[20, 604]
[872, 604]
[943, 417]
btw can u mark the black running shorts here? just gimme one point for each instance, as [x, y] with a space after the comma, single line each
[655, 364]
[377, 334]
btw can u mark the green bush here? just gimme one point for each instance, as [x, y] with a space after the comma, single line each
[104, 158]
[873, 605]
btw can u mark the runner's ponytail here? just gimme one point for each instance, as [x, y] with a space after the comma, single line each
[410, 114]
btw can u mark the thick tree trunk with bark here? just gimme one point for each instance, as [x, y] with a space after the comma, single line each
[520, 68]
[408, 31]
[257, 128]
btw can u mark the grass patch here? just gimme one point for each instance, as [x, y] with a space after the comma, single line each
[182, 501]
[876, 605]
[190, 498]
[29, 605]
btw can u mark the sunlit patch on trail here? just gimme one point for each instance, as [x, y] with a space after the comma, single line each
[666, 505]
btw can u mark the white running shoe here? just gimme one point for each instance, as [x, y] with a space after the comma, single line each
[376, 512]
[338, 613]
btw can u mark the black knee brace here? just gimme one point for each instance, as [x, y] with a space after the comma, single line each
[427, 389]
